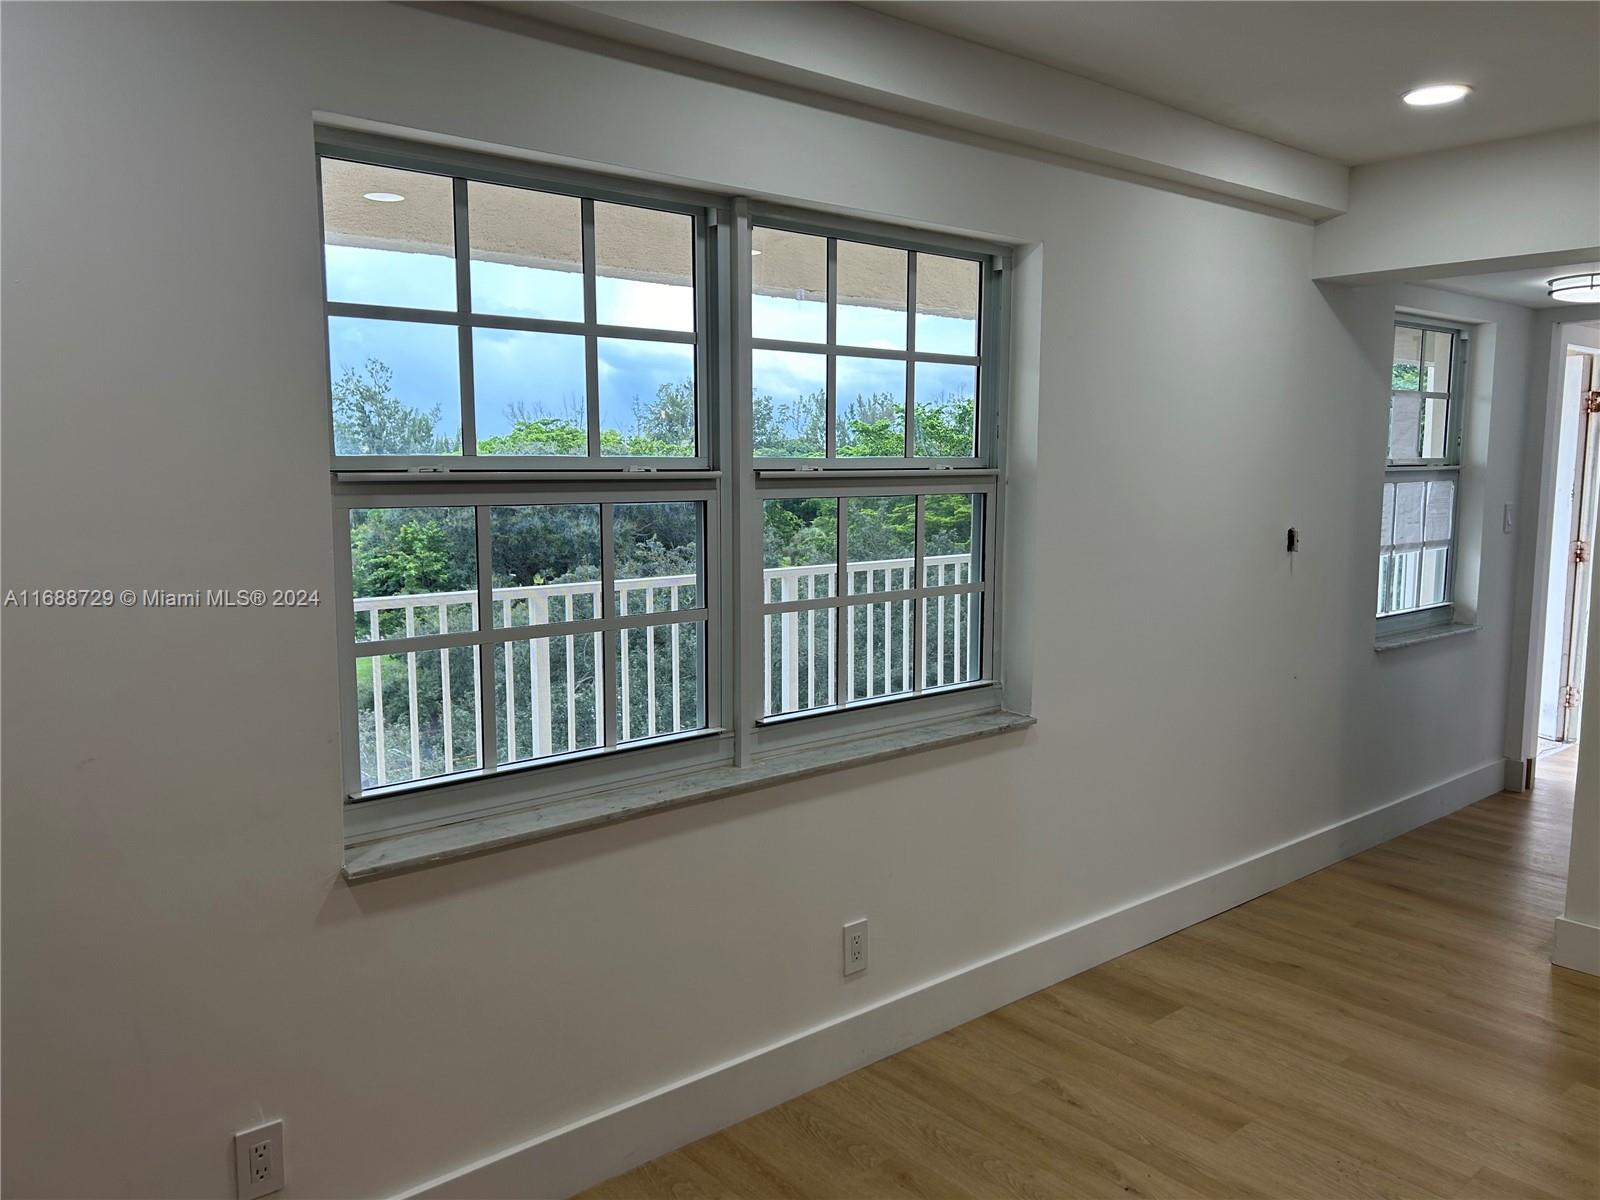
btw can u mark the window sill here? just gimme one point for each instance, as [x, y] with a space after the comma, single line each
[410, 851]
[1415, 637]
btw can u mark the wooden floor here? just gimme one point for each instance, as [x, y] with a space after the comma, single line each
[1390, 1026]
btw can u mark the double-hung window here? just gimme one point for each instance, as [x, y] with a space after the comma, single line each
[624, 468]
[1422, 483]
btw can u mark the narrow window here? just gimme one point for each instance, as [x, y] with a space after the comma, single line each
[1416, 545]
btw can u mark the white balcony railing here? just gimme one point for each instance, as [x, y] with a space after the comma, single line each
[420, 717]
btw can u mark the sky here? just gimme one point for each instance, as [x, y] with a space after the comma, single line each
[542, 374]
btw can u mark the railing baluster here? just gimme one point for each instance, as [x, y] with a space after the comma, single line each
[677, 719]
[650, 666]
[572, 695]
[789, 643]
[511, 686]
[411, 693]
[599, 692]
[379, 748]
[477, 691]
[625, 670]
[941, 641]
[766, 663]
[539, 648]
[444, 687]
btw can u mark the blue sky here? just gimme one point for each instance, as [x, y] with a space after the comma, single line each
[542, 373]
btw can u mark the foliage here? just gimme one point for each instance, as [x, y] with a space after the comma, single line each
[1406, 377]
[369, 419]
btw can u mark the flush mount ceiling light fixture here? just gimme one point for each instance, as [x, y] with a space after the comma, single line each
[1431, 94]
[384, 197]
[1576, 289]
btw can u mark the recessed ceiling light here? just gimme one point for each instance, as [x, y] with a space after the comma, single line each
[384, 197]
[1436, 93]
[1576, 289]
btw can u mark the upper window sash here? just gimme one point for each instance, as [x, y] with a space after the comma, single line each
[1427, 371]
[870, 348]
[555, 324]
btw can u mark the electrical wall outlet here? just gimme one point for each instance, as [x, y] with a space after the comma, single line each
[258, 1154]
[855, 947]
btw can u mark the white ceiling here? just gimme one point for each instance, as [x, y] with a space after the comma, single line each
[1528, 287]
[1323, 77]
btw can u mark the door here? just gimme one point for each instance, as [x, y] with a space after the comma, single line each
[1580, 575]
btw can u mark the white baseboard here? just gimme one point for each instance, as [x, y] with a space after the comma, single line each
[567, 1160]
[1576, 946]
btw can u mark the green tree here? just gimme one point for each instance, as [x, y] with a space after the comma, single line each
[368, 418]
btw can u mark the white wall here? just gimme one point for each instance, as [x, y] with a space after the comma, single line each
[1530, 201]
[180, 955]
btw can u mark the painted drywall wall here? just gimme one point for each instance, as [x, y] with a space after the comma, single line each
[180, 955]
[1527, 201]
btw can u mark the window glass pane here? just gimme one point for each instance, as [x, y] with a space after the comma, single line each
[1408, 505]
[952, 539]
[871, 406]
[396, 387]
[1440, 511]
[1407, 359]
[1431, 586]
[800, 546]
[416, 715]
[951, 648]
[1407, 572]
[872, 296]
[1386, 520]
[789, 401]
[881, 542]
[801, 650]
[789, 273]
[546, 563]
[546, 697]
[1436, 348]
[658, 555]
[879, 648]
[1405, 418]
[660, 680]
[408, 564]
[646, 399]
[388, 236]
[947, 305]
[527, 252]
[644, 266]
[530, 391]
[946, 410]
[1434, 410]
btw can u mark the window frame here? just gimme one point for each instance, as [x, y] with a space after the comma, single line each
[833, 231]
[724, 474]
[587, 189]
[1424, 469]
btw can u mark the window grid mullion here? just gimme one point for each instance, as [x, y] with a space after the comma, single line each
[591, 341]
[610, 664]
[486, 650]
[841, 590]
[918, 615]
[830, 399]
[911, 355]
[463, 249]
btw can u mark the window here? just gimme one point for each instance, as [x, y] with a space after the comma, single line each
[630, 480]
[1416, 552]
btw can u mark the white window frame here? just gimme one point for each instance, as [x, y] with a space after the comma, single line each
[724, 474]
[1422, 469]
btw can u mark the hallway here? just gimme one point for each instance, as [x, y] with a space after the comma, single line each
[1389, 1026]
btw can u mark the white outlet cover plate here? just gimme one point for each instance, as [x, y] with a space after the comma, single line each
[856, 966]
[245, 1141]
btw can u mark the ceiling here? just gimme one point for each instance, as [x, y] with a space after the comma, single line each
[1322, 77]
[1526, 287]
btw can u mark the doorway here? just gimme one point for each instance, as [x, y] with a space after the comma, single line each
[1572, 548]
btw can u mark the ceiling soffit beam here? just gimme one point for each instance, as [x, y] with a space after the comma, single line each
[863, 56]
